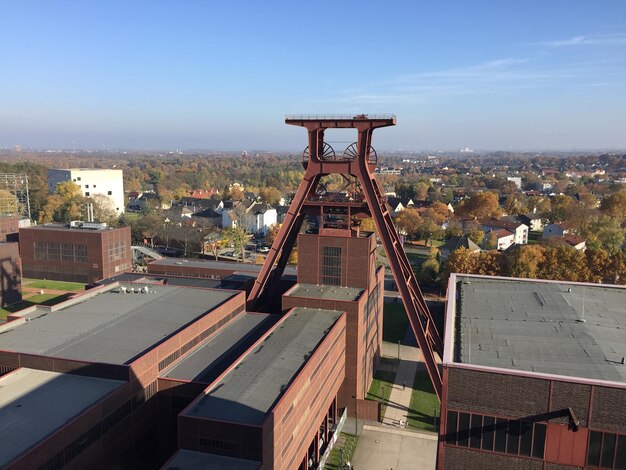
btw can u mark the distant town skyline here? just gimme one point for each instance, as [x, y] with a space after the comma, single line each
[497, 75]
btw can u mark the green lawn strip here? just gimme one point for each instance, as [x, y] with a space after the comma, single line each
[395, 322]
[381, 387]
[47, 299]
[349, 444]
[37, 299]
[17, 306]
[424, 403]
[56, 285]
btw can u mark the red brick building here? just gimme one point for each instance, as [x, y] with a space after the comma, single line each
[534, 375]
[277, 404]
[76, 252]
[9, 224]
[80, 377]
[340, 273]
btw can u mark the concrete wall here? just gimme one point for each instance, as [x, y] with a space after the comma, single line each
[92, 182]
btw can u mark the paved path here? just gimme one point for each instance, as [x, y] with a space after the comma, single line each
[384, 448]
[400, 398]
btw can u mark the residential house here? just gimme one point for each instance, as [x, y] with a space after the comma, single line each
[264, 217]
[397, 204]
[203, 193]
[519, 230]
[576, 242]
[533, 220]
[198, 204]
[146, 200]
[254, 217]
[505, 238]
[556, 230]
[208, 217]
[454, 243]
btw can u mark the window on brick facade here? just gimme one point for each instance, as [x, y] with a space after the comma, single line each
[331, 265]
[507, 436]
[606, 450]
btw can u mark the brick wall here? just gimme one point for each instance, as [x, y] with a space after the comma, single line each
[576, 396]
[609, 409]
[497, 394]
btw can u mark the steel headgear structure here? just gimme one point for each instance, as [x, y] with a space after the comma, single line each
[360, 197]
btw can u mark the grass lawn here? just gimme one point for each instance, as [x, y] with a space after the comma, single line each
[56, 285]
[395, 322]
[416, 257]
[349, 444]
[424, 403]
[40, 299]
[381, 387]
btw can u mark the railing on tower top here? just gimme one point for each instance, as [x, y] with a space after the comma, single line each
[337, 117]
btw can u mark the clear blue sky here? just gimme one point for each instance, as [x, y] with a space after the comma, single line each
[222, 74]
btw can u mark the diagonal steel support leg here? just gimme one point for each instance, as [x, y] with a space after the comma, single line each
[283, 244]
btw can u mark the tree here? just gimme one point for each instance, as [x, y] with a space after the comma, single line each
[561, 207]
[48, 211]
[489, 263]
[512, 205]
[615, 205]
[609, 233]
[481, 205]
[270, 195]
[429, 270]
[453, 229]
[474, 233]
[236, 194]
[408, 222]
[430, 227]
[146, 228]
[68, 190]
[103, 210]
[461, 261]
[564, 263]
[598, 262]
[491, 243]
[524, 261]
[213, 240]
[272, 232]
[238, 237]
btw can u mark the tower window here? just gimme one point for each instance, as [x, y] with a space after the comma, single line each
[331, 265]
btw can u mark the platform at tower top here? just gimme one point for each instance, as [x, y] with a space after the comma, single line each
[342, 120]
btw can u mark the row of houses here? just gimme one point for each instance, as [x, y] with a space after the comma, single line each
[253, 216]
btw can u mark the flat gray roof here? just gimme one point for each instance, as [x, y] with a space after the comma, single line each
[326, 292]
[247, 393]
[65, 228]
[211, 264]
[35, 403]
[192, 460]
[169, 280]
[536, 326]
[112, 327]
[219, 351]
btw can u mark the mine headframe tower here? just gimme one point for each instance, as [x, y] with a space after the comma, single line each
[360, 197]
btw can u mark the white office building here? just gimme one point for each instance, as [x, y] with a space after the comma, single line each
[92, 181]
